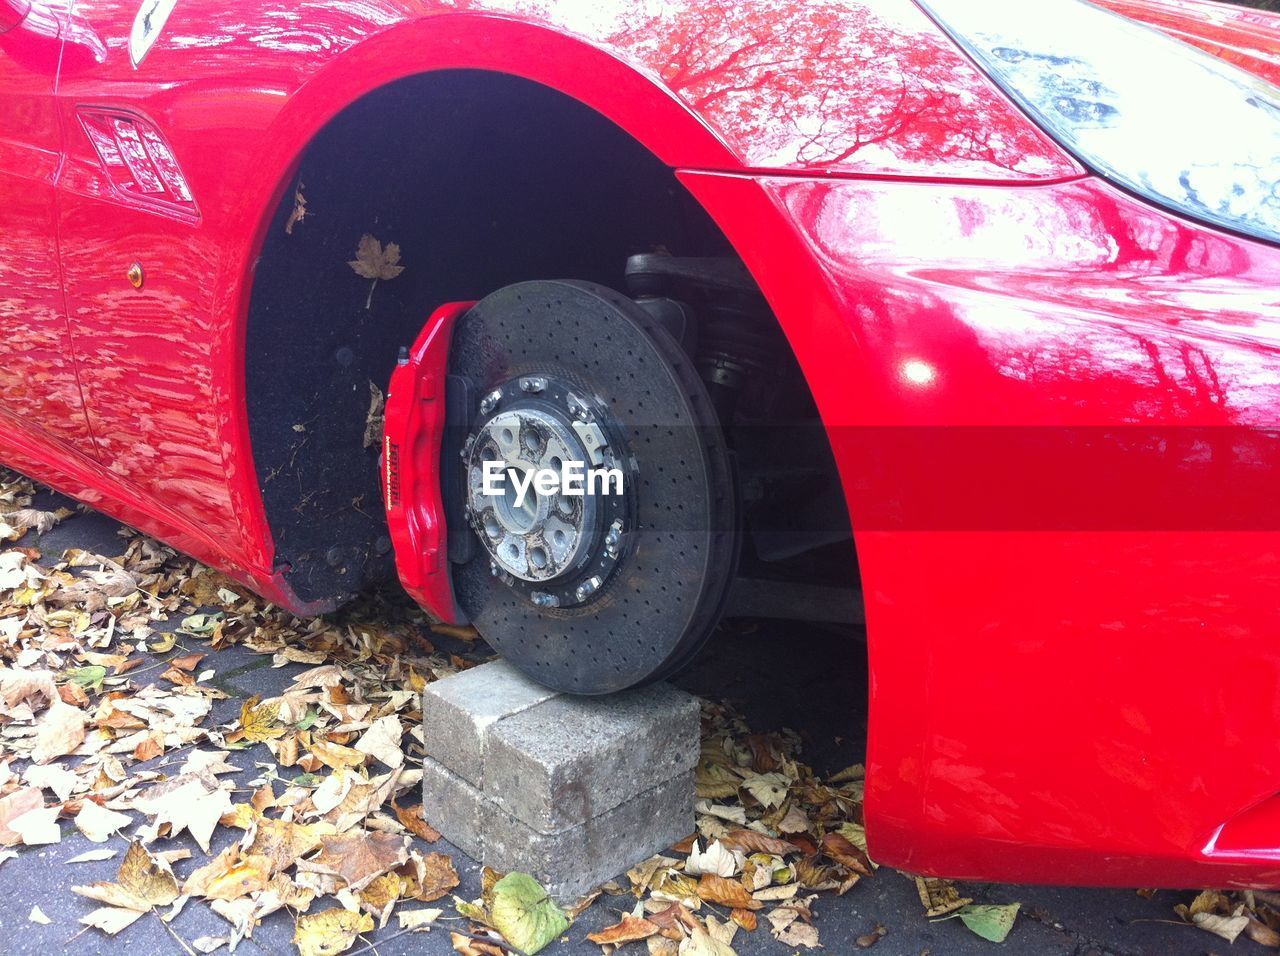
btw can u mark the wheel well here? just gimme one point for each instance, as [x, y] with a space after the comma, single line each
[482, 180]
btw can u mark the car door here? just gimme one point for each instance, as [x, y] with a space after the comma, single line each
[39, 393]
[139, 256]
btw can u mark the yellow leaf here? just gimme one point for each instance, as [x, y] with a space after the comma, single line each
[260, 722]
[164, 644]
[141, 883]
[330, 932]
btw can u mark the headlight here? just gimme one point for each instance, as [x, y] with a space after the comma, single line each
[1182, 128]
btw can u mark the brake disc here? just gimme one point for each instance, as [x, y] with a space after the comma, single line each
[594, 592]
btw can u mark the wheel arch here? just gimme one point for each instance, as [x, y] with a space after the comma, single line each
[618, 93]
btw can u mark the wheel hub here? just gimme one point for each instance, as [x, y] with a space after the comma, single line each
[533, 449]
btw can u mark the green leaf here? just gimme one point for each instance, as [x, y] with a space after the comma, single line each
[90, 677]
[988, 921]
[309, 718]
[200, 624]
[525, 914]
[306, 780]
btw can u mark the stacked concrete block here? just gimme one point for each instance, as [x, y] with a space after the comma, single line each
[571, 790]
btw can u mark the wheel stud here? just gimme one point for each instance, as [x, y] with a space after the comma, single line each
[490, 402]
[613, 539]
[543, 599]
[587, 588]
[533, 384]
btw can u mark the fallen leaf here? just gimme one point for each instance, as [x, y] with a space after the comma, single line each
[867, 940]
[752, 841]
[337, 757]
[939, 897]
[525, 914]
[768, 788]
[111, 919]
[631, 929]
[412, 820]
[260, 722]
[731, 893]
[283, 841]
[192, 802]
[700, 943]
[142, 882]
[1228, 927]
[434, 876]
[993, 922]
[475, 947]
[798, 934]
[359, 858]
[38, 827]
[382, 740]
[98, 823]
[59, 731]
[92, 856]
[15, 805]
[417, 919]
[37, 916]
[329, 932]
[717, 860]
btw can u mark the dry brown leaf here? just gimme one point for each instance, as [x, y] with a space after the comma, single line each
[744, 918]
[374, 261]
[475, 947]
[412, 820]
[867, 940]
[845, 853]
[750, 841]
[726, 892]
[282, 841]
[359, 858]
[336, 756]
[433, 877]
[631, 929]
[299, 211]
[939, 897]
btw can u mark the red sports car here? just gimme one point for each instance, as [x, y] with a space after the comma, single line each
[960, 314]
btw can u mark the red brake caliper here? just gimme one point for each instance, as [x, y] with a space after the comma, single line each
[411, 466]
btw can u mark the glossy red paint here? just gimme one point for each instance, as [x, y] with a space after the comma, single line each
[1248, 38]
[415, 417]
[1042, 665]
[1047, 698]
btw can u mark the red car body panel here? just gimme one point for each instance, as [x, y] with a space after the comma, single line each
[1067, 685]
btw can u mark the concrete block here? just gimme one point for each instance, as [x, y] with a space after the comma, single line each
[458, 712]
[573, 861]
[569, 760]
[572, 790]
[455, 808]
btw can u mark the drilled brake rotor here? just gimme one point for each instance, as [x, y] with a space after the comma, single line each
[593, 593]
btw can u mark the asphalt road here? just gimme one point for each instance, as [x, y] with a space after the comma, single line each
[815, 685]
